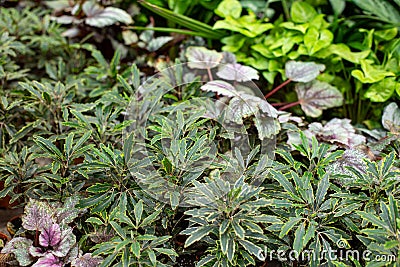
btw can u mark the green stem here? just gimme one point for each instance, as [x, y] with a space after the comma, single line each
[277, 88]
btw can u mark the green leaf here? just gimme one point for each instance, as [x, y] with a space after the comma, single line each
[383, 90]
[302, 12]
[370, 73]
[49, 147]
[298, 244]
[373, 219]
[231, 8]
[239, 231]
[135, 248]
[344, 52]
[198, 234]
[251, 248]
[322, 189]
[138, 211]
[289, 225]
[284, 182]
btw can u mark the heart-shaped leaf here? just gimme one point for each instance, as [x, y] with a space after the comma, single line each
[303, 72]
[316, 96]
[201, 58]
[50, 236]
[383, 90]
[37, 216]
[220, 87]
[370, 73]
[237, 72]
[48, 261]
[98, 16]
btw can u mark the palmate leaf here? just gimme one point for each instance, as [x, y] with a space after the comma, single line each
[316, 96]
[304, 72]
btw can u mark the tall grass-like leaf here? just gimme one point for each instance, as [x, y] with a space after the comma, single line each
[381, 9]
[192, 24]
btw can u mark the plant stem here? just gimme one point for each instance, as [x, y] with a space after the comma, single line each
[279, 104]
[290, 105]
[277, 88]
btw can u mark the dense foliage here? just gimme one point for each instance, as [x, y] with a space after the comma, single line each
[157, 133]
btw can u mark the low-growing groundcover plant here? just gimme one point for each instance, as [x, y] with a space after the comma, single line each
[194, 166]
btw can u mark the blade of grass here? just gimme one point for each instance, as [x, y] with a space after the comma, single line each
[184, 21]
[163, 29]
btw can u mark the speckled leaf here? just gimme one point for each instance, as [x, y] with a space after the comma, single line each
[303, 71]
[68, 240]
[391, 117]
[87, 260]
[201, 58]
[237, 72]
[37, 216]
[98, 16]
[220, 87]
[316, 96]
[19, 246]
[48, 261]
[50, 236]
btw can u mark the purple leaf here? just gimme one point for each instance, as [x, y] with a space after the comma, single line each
[37, 216]
[87, 260]
[98, 16]
[316, 96]
[51, 236]
[237, 72]
[303, 72]
[48, 261]
[68, 240]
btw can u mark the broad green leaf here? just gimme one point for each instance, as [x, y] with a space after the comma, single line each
[338, 6]
[200, 57]
[302, 71]
[231, 8]
[302, 12]
[220, 87]
[344, 52]
[315, 39]
[316, 96]
[370, 73]
[383, 90]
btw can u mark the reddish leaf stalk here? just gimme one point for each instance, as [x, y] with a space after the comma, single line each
[277, 88]
[290, 105]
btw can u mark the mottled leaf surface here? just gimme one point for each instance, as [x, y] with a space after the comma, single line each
[201, 58]
[303, 71]
[237, 72]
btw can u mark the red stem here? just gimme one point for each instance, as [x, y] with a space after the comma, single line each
[277, 88]
[279, 104]
[290, 105]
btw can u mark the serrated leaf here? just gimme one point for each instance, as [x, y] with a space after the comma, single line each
[316, 96]
[237, 72]
[303, 71]
[220, 87]
[98, 16]
[201, 58]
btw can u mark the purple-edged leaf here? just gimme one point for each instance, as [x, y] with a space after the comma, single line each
[51, 236]
[201, 58]
[87, 260]
[68, 241]
[37, 216]
[98, 16]
[237, 72]
[49, 260]
[391, 117]
[316, 96]
[220, 87]
[303, 72]
[337, 131]
[19, 246]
